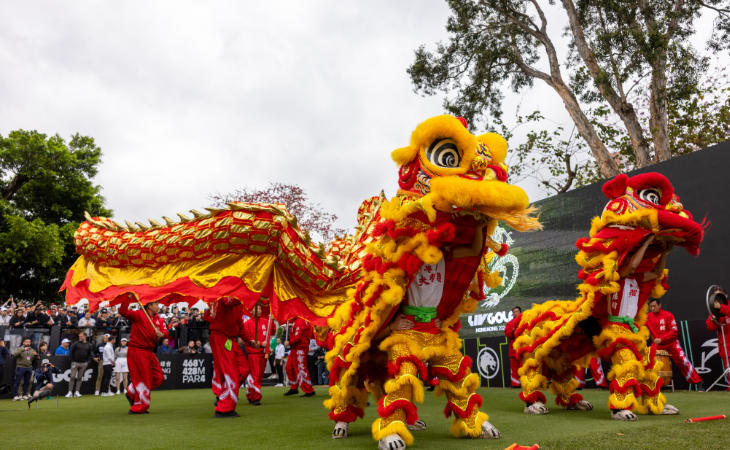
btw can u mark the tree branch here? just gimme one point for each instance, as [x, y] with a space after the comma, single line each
[621, 107]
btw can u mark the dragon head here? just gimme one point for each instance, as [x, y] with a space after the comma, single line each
[453, 171]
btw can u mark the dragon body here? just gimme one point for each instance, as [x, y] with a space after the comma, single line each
[608, 317]
[241, 251]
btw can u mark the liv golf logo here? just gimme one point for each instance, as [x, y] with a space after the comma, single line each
[488, 363]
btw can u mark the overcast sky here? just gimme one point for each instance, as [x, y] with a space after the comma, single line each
[191, 98]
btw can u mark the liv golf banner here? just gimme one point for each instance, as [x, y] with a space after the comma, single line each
[181, 372]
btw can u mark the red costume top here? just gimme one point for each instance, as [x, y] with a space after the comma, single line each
[300, 334]
[509, 331]
[227, 320]
[255, 330]
[142, 335]
[662, 326]
[712, 326]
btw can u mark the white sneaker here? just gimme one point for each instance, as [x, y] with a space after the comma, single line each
[77, 394]
[536, 408]
[16, 398]
[669, 409]
[26, 397]
[96, 393]
[278, 385]
[107, 394]
[489, 431]
[116, 393]
[340, 431]
[582, 405]
[391, 442]
[624, 414]
[69, 395]
[418, 425]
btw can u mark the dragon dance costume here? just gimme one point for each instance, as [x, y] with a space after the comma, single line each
[608, 319]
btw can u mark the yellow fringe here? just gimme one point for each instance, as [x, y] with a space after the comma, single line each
[467, 386]
[396, 427]
[394, 384]
[459, 427]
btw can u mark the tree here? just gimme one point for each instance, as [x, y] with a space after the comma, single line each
[614, 46]
[46, 186]
[310, 216]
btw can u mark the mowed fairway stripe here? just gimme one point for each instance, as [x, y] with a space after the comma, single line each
[184, 419]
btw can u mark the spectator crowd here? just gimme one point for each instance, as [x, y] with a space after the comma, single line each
[100, 338]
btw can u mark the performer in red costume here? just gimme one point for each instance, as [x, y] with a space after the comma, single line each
[599, 376]
[663, 329]
[296, 366]
[723, 317]
[254, 340]
[509, 331]
[230, 367]
[145, 373]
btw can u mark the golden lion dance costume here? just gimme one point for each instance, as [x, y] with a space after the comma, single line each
[608, 318]
[450, 181]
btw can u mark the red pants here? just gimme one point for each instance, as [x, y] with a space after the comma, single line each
[296, 370]
[599, 377]
[257, 366]
[680, 359]
[230, 369]
[514, 365]
[145, 374]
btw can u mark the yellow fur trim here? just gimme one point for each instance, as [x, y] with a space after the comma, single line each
[404, 380]
[396, 427]
[459, 427]
[439, 127]
[467, 386]
[496, 144]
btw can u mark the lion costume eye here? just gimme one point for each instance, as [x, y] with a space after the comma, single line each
[444, 153]
[650, 195]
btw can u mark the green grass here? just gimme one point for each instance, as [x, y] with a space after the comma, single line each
[185, 419]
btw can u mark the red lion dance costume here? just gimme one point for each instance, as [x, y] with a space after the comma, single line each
[622, 266]
[451, 184]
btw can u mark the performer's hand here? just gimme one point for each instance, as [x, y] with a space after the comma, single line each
[717, 304]
[438, 323]
[401, 323]
[657, 341]
[158, 333]
[286, 343]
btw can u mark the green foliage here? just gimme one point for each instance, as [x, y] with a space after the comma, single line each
[46, 187]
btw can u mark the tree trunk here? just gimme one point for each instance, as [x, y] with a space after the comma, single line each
[619, 105]
[659, 119]
[14, 186]
[606, 164]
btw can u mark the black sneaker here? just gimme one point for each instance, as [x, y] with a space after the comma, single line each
[224, 415]
[130, 399]
[255, 402]
[292, 392]
[132, 413]
[308, 394]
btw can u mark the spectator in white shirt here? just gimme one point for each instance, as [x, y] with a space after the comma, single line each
[108, 358]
